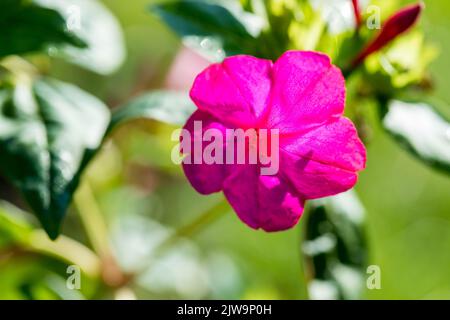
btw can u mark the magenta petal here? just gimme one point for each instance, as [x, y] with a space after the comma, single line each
[205, 178]
[324, 161]
[313, 179]
[335, 143]
[307, 92]
[264, 202]
[235, 91]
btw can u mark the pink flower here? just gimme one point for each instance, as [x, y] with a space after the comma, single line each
[303, 96]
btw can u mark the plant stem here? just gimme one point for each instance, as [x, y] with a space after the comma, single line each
[198, 224]
[97, 232]
[92, 219]
[204, 219]
[20, 69]
[66, 249]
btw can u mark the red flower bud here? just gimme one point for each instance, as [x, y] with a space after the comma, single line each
[397, 24]
[357, 12]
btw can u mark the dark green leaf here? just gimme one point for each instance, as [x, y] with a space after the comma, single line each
[335, 248]
[91, 21]
[165, 106]
[27, 27]
[206, 21]
[48, 132]
[419, 128]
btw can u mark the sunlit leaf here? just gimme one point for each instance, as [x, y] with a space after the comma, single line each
[209, 48]
[404, 63]
[14, 228]
[421, 130]
[48, 132]
[27, 28]
[91, 21]
[165, 106]
[206, 20]
[23, 279]
[335, 248]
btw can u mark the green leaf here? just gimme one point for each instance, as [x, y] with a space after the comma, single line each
[27, 27]
[170, 107]
[334, 247]
[91, 21]
[209, 22]
[49, 131]
[419, 128]
[14, 228]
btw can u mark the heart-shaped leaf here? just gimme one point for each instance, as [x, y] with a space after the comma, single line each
[49, 131]
[419, 128]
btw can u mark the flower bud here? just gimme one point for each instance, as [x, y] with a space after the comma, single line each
[357, 13]
[397, 24]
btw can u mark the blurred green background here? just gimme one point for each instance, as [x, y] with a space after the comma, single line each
[143, 196]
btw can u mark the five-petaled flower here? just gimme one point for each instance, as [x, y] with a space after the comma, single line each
[303, 96]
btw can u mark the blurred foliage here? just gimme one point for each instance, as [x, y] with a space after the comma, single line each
[32, 28]
[130, 226]
[164, 106]
[421, 130]
[335, 247]
[201, 20]
[91, 21]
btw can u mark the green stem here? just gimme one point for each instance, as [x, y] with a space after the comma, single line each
[97, 232]
[198, 224]
[20, 69]
[66, 249]
[204, 219]
[92, 219]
